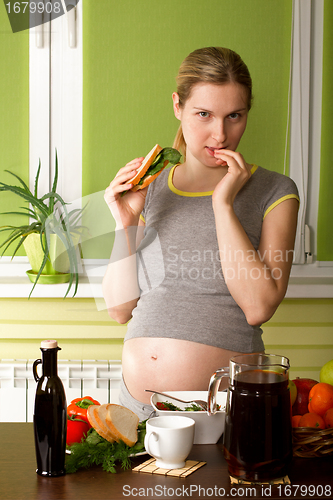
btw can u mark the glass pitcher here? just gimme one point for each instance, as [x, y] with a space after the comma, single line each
[257, 440]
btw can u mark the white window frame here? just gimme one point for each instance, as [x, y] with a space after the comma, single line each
[55, 69]
[305, 132]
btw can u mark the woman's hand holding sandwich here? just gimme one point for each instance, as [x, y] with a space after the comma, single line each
[126, 210]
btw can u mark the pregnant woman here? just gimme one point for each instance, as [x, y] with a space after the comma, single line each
[202, 256]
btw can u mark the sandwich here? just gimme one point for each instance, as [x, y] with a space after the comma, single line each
[153, 164]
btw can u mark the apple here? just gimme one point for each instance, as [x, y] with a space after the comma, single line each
[303, 385]
[326, 373]
[293, 391]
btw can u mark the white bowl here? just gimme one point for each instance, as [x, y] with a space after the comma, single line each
[208, 429]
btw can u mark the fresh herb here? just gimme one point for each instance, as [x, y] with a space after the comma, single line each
[193, 407]
[171, 407]
[95, 450]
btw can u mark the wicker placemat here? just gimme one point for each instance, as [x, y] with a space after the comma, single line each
[280, 480]
[149, 467]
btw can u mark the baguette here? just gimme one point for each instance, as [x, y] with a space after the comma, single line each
[122, 423]
[114, 423]
[96, 422]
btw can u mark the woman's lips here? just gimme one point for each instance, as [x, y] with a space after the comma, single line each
[211, 151]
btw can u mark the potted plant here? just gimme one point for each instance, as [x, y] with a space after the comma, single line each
[50, 237]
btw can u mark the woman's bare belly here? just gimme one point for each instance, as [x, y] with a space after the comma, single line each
[170, 365]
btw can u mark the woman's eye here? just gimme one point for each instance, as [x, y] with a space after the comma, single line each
[234, 116]
[204, 114]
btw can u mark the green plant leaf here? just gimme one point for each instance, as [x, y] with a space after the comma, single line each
[20, 243]
[55, 182]
[36, 180]
[26, 196]
[66, 238]
[45, 259]
[17, 213]
[13, 236]
[26, 188]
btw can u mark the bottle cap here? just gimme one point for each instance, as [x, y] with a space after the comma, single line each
[49, 344]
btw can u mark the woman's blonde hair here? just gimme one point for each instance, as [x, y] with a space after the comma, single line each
[216, 65]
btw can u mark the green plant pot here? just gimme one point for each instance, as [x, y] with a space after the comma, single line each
[48, 279]
[58, 262]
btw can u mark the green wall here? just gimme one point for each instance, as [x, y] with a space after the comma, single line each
[325, 211]
[14, 112]
[131, 55]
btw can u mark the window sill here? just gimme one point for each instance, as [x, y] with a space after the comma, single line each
[14, 283]
[311, 281]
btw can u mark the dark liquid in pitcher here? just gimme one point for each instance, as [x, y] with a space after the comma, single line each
[257, 436]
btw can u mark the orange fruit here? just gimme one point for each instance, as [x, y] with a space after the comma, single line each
[320, 398]
[295, 420]
[328, 418]
[312, 420]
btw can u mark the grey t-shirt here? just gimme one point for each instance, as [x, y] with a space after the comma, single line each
[183, 292]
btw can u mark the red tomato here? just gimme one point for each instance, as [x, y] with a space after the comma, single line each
[161, 406]
[79, 406]
[76, 430]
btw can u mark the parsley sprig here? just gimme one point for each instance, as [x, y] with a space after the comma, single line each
[95, 450]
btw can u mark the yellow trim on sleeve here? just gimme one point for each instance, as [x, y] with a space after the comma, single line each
[280, 200]
[142, 218]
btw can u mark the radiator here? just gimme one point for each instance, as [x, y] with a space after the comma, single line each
[99, 379]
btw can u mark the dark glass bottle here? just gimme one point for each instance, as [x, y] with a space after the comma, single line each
[50, 414]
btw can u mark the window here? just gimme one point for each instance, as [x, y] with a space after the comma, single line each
[307, 155]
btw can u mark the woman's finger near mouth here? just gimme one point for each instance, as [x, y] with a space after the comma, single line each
[221, 162]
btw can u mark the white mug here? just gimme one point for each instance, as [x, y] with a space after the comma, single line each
[169, 440]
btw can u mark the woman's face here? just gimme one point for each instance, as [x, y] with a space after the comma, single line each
[213, 117]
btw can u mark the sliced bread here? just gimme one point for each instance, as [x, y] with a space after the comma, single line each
[122, 423]
[94, 420]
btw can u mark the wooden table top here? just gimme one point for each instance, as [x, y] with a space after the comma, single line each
[310, 478]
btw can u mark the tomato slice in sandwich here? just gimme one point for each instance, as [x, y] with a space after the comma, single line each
[153, 164]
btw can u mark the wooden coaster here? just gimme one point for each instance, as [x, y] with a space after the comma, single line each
[280, 480]
[149, 467]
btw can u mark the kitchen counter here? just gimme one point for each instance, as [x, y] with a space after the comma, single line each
[310, 478]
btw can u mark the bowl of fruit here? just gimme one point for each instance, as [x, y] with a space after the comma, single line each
[208, 428]
[312, 414]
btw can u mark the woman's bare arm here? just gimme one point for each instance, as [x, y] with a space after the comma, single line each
[257, 280]
[120, 284]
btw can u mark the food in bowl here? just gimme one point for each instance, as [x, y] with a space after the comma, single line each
[166, 405]
[208, 428]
